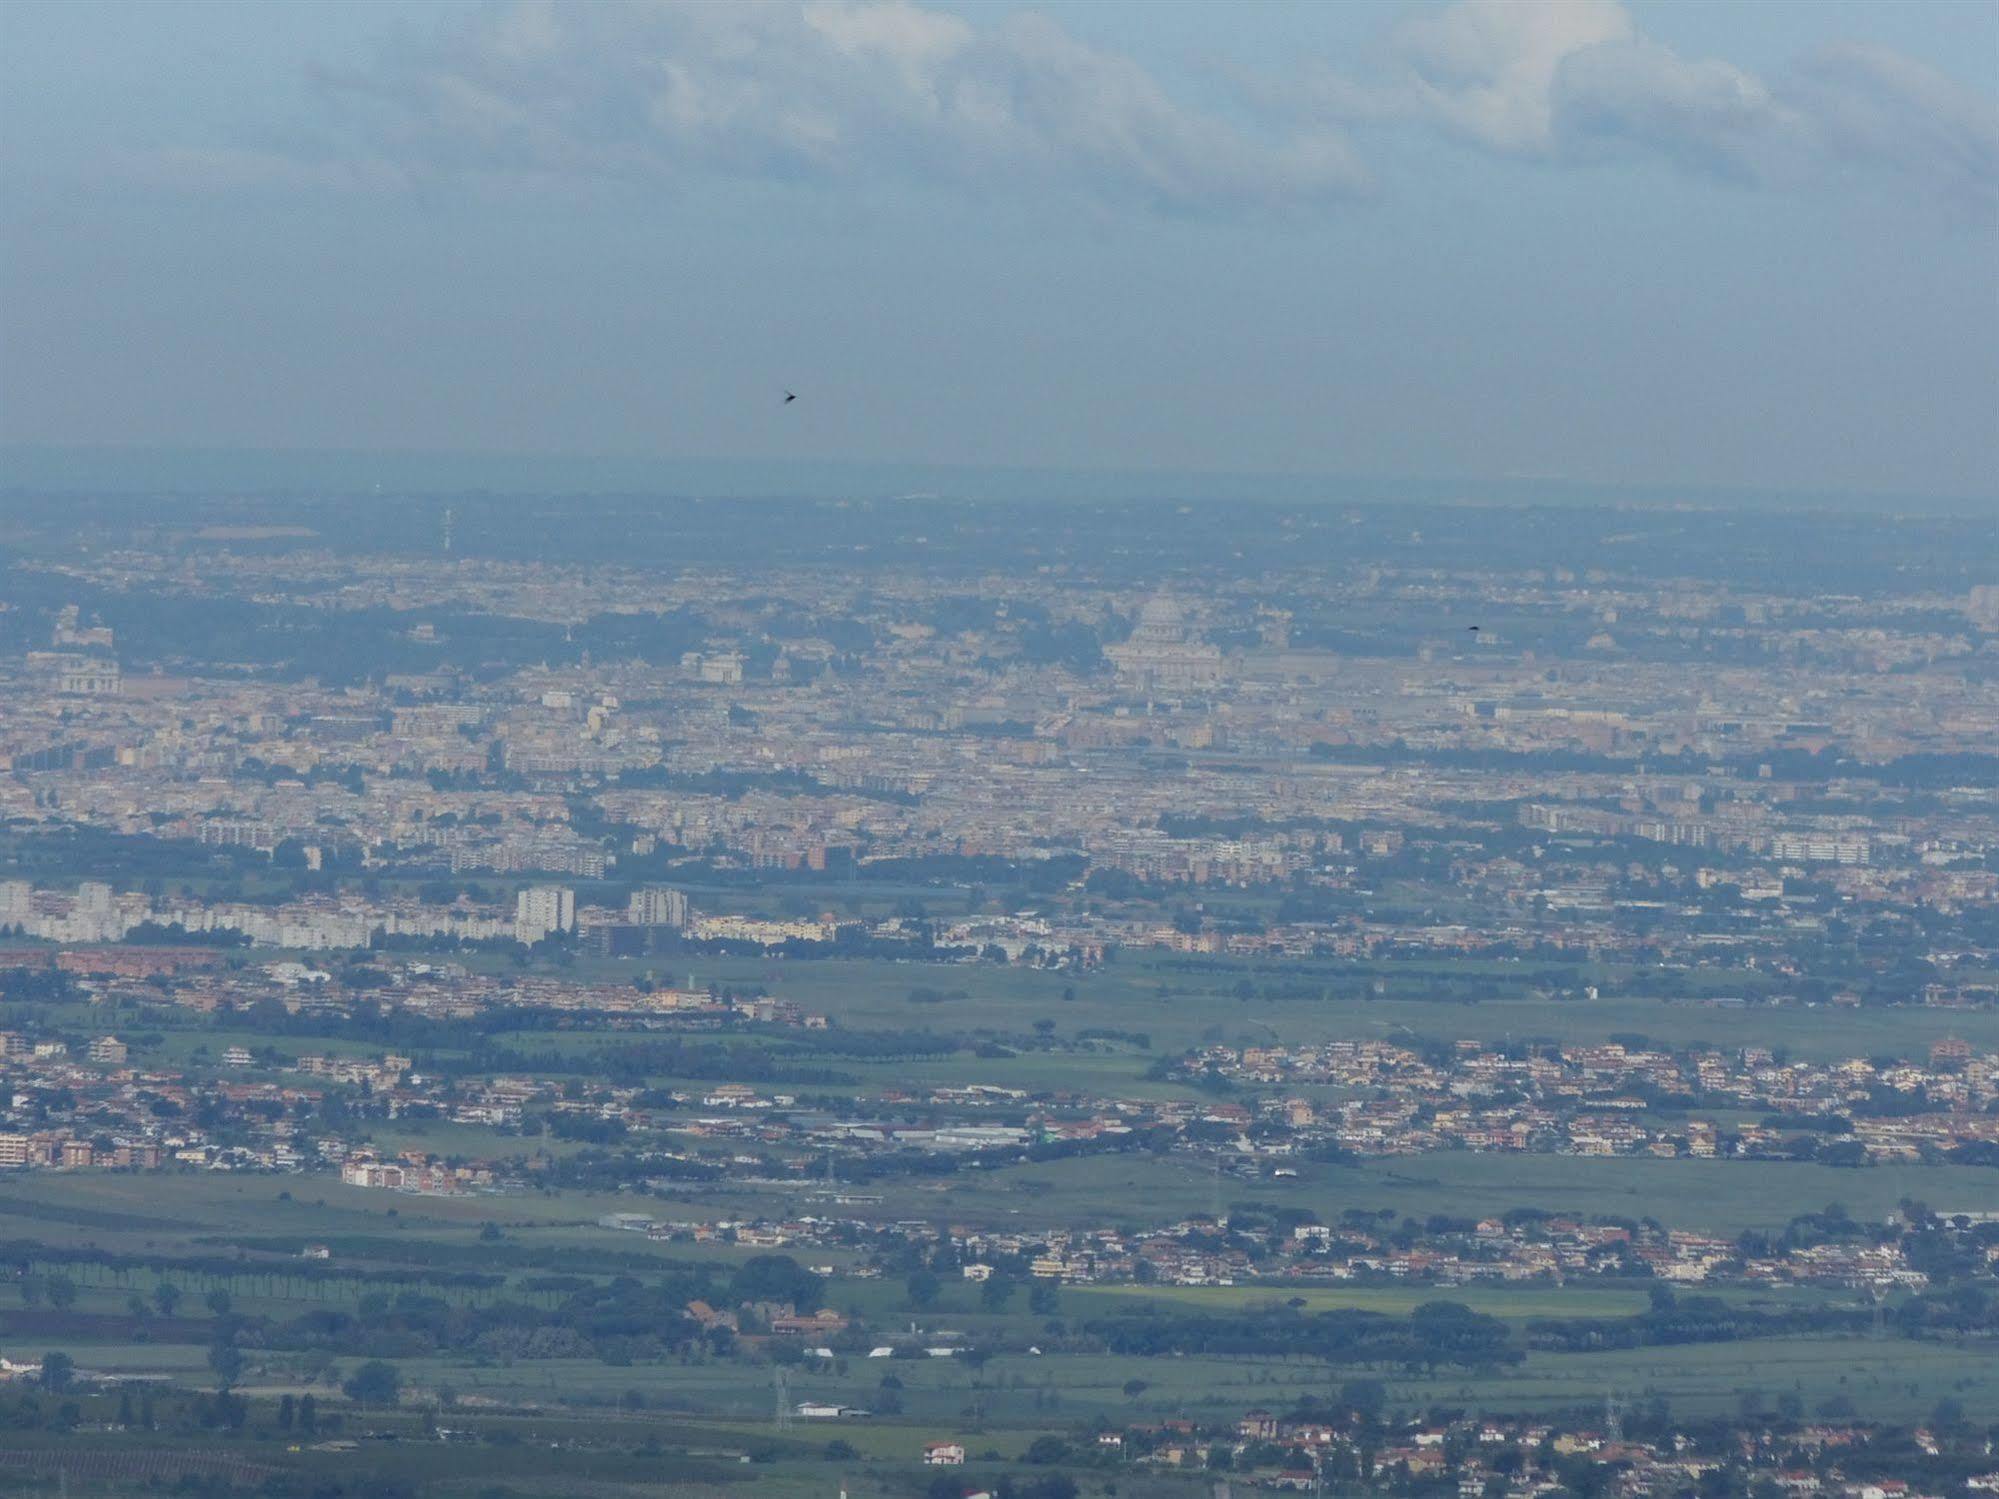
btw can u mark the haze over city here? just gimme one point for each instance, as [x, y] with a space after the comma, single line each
[770, 748]
[1711, 246]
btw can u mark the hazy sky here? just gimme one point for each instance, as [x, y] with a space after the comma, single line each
[1682, 243]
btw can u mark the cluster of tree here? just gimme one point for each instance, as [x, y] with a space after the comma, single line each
[603, 1170]
[37, 985]
[73, 850]
[1437, 1333]
[1674, 1319]
[736, 784]
[619, 1321]
[38, 1268]
[173, 934]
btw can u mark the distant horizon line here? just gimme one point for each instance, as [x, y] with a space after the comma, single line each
[228, 472]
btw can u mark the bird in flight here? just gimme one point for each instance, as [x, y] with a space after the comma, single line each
[788, 399]
[1472, 628]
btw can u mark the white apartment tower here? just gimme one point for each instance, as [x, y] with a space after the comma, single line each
[17, 902]
[658, 905]
[542, 910]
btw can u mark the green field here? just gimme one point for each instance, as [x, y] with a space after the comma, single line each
[1198, 1003]
[690, 1421]
[1721, 1196]
[1126, 996]
[1516, 1303]
[1899, 1379]
[128, 1211]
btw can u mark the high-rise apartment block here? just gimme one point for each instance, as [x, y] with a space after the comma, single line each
[543, 910]
[658, 905]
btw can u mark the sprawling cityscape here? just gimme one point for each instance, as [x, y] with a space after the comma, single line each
[999, 749]
[1114, 999]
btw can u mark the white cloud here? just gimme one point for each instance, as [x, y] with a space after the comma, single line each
[1874, 109]
[655, 89]
[1575, 81]
[1703, 114]
[1486, 69]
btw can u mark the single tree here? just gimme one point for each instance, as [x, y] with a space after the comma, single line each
[58, 1372]
[374, 1383]
[226, 1359]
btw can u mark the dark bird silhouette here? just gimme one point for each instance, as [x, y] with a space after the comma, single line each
[788, 399]
[1472, 628]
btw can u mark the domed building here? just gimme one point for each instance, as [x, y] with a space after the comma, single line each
[1163, 654]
